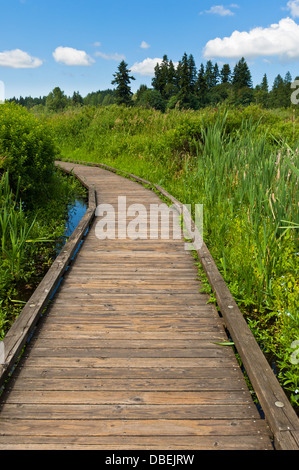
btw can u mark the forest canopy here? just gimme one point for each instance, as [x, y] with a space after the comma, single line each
[182, 85]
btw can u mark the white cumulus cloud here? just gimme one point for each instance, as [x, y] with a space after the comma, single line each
[278, 40]
[144, 45]
[220, 10]
[293, 6]
[70, 56]
[146, 67]
[18, 59]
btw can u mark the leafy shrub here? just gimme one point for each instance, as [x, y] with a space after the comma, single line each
[27, 150]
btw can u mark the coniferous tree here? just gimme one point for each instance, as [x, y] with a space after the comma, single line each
[225, 74]
[192, 73]
[264, 84]
[216, 74]
[277, 92]
[209, 74]
[77, 99]
[56, 100]
[165, 78]
[201, 86]
[156, 78]
[288, 91]
[241, 75]
[280, 95]
[122, 80]
[183, 74]
[160, 80]
[171, 87]
[242, 84]
[262, 92]
[142, 89]
[186, 73]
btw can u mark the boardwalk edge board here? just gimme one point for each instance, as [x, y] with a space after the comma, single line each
[279, 413]
[24, 325]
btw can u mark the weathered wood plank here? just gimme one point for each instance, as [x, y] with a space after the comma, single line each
[177, 373]
[92, 411]
[130, 397]
[245, 443]
[120, 343]
[148, 384]
[157, 427]
[128, 352]
[77, 361]
[252, 442]
[91, 330]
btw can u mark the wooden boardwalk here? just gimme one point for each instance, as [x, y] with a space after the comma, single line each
[126, 355]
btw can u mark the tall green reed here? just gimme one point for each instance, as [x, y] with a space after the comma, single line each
[247, 191]
[15, 229]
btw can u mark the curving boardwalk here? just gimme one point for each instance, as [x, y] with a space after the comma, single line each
[125, 357]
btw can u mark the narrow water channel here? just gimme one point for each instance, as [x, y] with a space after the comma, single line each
[75, 213]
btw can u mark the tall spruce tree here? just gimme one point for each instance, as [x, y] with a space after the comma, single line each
[186, 73]
[262, 92]
[288, 91]
[241, 75]
[216, 74]
[201, 86]
[171, 87]
[264, 84]
[280, 95]
[122, 79]
[242, 84]
[192, 73]
[209, 74]
[160, 80]
[225, 74]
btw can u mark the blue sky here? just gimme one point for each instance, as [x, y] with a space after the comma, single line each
[78, 44]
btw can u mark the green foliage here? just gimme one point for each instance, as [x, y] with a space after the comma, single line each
[241, 76]
[28, 242]
[151, 99]
[26, 151]
[34, 201]
[122, 79]
[57, 100]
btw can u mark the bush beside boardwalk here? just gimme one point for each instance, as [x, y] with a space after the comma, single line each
[34, 200]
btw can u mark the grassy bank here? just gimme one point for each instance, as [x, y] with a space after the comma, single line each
[34, 200]
[242, 165]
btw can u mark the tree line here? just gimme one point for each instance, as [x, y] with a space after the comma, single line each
[187, 87]
[182, 85]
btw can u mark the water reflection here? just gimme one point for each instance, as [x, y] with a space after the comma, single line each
[75, 213]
